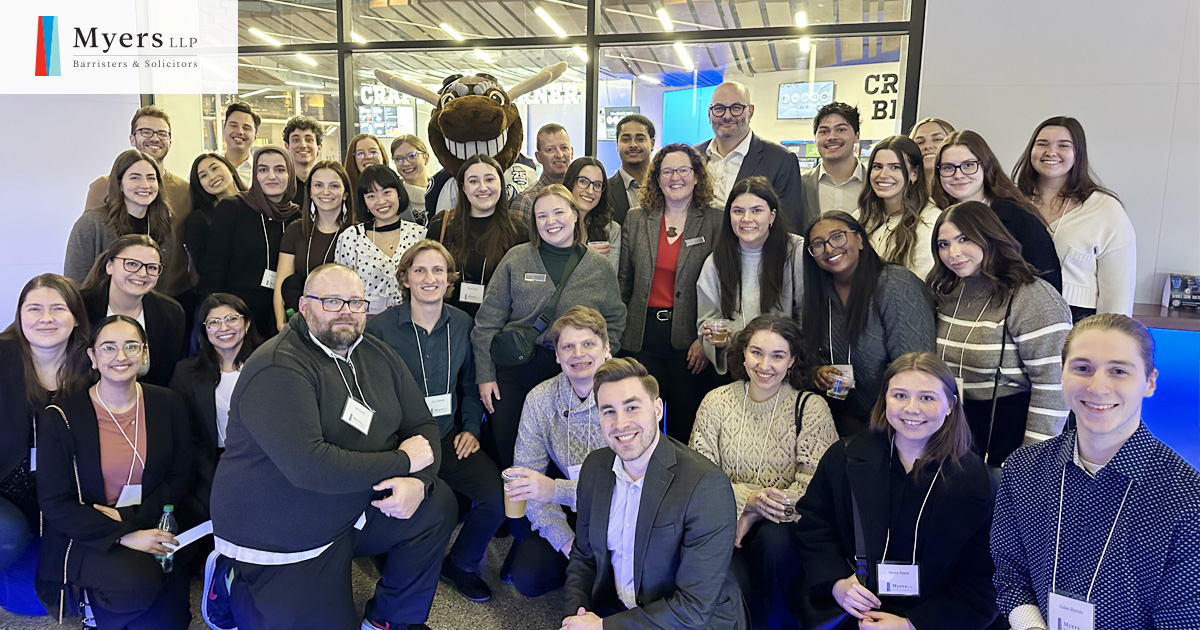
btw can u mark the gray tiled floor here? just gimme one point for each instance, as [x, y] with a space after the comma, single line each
[508, 610]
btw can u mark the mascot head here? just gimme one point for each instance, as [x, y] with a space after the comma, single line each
[474, 114]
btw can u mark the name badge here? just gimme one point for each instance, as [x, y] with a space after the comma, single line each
[33, 459]
[1069, 613]
[438, 405]
[268, 279]
[357, 415]
[470, 292]
[535, 277]
[899, 580]
[693, 241]
[376, 304]
[573, 472]
[131, 495]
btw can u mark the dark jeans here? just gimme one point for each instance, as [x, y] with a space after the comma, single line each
[477, 478]
[14, 533]
[767, 566]
[317, 594]
[1008, 431]
[515, 383]
[537, 567]
[680, 390]
[128, 589]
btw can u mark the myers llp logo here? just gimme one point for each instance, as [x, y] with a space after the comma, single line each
[47, 62]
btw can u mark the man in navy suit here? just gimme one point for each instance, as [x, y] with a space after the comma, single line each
[656, 523]
[735, 153]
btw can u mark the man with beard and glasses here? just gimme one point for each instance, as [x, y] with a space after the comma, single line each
[330, 454]
[836, 182]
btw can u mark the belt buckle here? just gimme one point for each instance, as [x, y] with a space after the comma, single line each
[663, 315]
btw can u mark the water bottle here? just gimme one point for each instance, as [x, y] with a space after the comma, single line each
[167, 524]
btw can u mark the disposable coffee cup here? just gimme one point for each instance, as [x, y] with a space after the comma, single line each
[789, 507]
[841, 387]
[720, 330]
[512, 509]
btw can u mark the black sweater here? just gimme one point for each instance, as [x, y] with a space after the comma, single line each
[294, 476]
[199, 393]
[475, 269]
[1037, 246]
[165, 330]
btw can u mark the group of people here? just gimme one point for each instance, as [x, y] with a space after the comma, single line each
[791, 367]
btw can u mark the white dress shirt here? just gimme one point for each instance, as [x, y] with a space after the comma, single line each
[622, 531]
[842, 196]
[724, 170]
[631, 188]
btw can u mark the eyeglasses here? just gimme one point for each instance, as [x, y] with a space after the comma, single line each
[594, 185]
[736, 109]
[368, 153]
[133, 265]
[682, 171]
[146, 133]
[835, 240]
[214, 324]
[109, 350]
[400, 159]
[334, 305]
[970, 167]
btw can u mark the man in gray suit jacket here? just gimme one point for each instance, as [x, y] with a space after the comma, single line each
[841, 173]
[734, 146]
[669, 512]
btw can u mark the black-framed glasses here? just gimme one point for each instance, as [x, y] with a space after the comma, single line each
[970, 167]
[836, 239]
[736, 109]
[146, 132]
[333, 304]
[408, 157]
[682, 171]
[597, 186]
[368, 153]
[133, 265]
[110, 349]
[214, 324]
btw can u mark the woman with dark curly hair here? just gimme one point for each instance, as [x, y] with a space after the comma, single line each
[665, 242]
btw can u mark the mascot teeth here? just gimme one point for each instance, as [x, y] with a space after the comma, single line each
[464, 150]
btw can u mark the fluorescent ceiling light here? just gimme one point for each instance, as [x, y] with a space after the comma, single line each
[649, 79]
[278, 96]
[684, 57]
[356, 38]
[307, 85]
[579, 52]
[805, 45]
[263, 36]
[313, 74]
[550, 22]
[451, 32]
[306, 59]
[484, 56]
[801, 19]
[665, 19]
[254, 93]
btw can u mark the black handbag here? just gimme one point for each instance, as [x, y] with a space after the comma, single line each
[515, 343]
[825, 613]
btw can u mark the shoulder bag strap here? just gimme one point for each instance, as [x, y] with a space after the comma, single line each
[860, 544]
[445, 220]
[546, 317]
[801, 403]
[996, 379]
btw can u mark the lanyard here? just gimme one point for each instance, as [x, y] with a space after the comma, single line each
[917, 527]
[137, 413]
[762, 459]
[1058, 534]
[354, 375]
[308, 252]
[421, 356]
[963, 356]
[849, 346]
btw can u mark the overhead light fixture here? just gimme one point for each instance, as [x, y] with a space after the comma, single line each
[558, 30]
[451, 32]
[484, 56]
[278, 96]
[263, 36]
[579, 52]
[805, 45]
[301, 84]
[801, 19]
[356, 38]
[306, 59]
[684, 57]
[665, 19]
[649, 79]
[254, 93]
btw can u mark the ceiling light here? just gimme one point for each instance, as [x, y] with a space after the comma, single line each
[254, 93]
[306, 59]
[451, 32]
[550, 22]
[801, 19]
[649, 79]
[278, 96]
[684, 57]
[484, 56]
[356, 38]
[665, 19]
[307, 85]
[579, 52]
[805, 44]
[263, 36]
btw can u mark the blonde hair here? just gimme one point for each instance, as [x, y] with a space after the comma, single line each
[557, 190]
[583, 318]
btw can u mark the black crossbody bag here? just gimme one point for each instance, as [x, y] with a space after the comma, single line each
[515, 343]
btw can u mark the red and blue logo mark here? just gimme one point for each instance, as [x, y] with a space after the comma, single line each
[47, 64]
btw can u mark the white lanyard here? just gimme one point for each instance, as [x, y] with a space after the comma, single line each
[137, 413]
[308, 252]
[354, 375]
[762, 459]
[421, 356]
[849, 346]
[1058, 533]
[963, 356]
[917, 527]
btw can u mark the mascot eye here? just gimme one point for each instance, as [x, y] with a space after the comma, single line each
[498, 97]
[446, 98]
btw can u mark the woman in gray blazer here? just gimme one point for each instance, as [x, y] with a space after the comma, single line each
[664, 243]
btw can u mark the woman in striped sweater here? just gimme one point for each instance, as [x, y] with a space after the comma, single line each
[1001, 329]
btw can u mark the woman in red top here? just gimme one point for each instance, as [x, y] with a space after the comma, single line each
[664, 243]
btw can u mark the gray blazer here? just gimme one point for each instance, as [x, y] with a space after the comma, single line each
[810, 183]
[639, 250]
[682, 550]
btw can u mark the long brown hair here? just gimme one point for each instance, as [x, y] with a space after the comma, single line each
[352, 164]
[1002, 265]
[501, 234]
[949, 444]
[308, 216]
[1081, 181]
[902, 242]
[776, 251]
[650, 194]
[158, 213]
[98, 276]
[797, 375]
[73, 374]
[996, 184]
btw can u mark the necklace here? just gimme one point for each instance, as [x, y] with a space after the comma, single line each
[671, 231]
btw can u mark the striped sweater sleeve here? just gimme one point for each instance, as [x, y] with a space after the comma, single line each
[1039, 324]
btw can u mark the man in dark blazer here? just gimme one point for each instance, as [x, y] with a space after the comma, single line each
[635, 145]
[667, 564]
[733, 144]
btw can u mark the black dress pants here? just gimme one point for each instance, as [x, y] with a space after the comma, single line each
[767, 566]
[680, 390]
[537, 567]
[129, 591]
[1008, 430]
[515, 384]
[477, 478]
[317, 594]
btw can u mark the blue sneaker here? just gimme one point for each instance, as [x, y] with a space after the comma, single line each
[215, 607]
